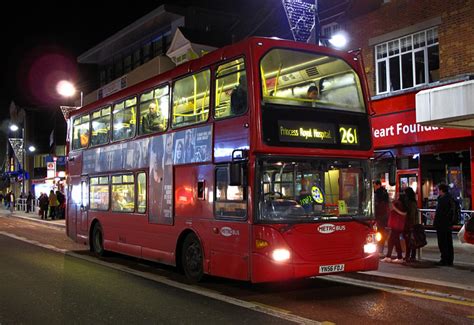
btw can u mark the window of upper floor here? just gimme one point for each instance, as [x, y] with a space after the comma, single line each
[124, 118]
[231, 89]
[154, 110]
[191, 99]
[407, 62]
[100, 126]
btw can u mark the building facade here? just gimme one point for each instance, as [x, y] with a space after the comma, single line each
[409, 47]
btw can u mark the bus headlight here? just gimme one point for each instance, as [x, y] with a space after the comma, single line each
[281, 255]
[370, 248]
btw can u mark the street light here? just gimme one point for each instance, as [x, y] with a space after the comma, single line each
[67, 89]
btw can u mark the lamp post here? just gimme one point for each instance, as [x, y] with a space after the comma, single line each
[67, 89]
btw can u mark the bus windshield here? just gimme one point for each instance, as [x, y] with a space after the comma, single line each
[309, 190]
[297, 78]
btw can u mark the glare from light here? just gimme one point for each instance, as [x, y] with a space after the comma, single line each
[370, 248]
[31, 149]
[14, 127]
[65, 88]
[416, 155]
[378, 236]
[281, 255]
[338, 40]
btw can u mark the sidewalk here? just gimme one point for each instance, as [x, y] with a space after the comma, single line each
[424, 274]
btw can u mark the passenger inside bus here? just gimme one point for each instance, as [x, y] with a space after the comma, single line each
[238, 98]
[120, 204]
[84, 138]
[313, 92]
[152, 122]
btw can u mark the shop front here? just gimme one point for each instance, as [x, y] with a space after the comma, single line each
[425, 155]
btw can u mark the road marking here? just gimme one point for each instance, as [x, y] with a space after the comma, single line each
[34, 242]
[407, 291]
[262, 308]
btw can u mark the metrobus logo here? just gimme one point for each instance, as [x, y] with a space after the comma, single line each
[328, 228]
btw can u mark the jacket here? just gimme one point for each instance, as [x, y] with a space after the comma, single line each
[381, 206]
[443, 218]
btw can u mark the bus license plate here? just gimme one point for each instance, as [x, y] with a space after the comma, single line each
[331, 268]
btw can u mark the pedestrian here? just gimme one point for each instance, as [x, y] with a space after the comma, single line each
[44, 204]
[29, 201]
[381, 209]
[53, 205]
[443, 223]
[11, 201]
[411, 221]
[61, 200]
[396, 223]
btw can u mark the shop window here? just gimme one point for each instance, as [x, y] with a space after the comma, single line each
[100, 126]
[231, 201]
[80, 132]
[141, 192]
[154, 110]
[99, 193]
[231, 89]
[407, 62]
[191, 99]
[124, 119]
[123, 193]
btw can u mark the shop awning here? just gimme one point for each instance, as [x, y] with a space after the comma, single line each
[447, 106]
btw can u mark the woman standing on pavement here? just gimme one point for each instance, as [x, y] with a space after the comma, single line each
[411, 220]
[396, 223]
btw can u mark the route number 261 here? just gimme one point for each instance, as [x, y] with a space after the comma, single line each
[348, 135]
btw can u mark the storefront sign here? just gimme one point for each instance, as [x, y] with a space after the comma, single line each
[402, 129]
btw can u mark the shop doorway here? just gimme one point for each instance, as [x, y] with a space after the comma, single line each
[409, 178]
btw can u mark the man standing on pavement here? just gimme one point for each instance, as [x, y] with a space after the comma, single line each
[381, 212]
[443, 224]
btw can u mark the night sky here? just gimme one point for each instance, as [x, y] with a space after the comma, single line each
[42, 40]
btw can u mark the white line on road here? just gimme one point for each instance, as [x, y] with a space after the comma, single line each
[163, 280]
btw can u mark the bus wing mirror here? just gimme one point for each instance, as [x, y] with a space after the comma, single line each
[392, 174]
[235, 174]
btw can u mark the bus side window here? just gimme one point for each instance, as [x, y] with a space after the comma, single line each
[141, 192]
[191, 99]
[80, 132]
[231, 201]
[231, 89]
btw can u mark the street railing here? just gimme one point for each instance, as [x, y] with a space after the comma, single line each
[427, 216]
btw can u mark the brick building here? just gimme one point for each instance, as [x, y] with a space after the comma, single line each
[412, 46]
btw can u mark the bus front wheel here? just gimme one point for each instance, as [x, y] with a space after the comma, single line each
[98, 240]
[191, 258]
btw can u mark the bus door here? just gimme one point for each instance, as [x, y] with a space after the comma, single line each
[73, 207]
[408, 178]
[83, 207]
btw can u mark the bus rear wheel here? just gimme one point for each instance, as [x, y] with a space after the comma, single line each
[191, 258]
[98, 240]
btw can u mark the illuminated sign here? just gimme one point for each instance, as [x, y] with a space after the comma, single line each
[348, 134]
[295, 131]
[313, 132]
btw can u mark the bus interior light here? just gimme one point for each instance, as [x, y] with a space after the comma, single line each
[281, 255]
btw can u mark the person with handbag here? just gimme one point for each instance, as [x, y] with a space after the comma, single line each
[396, 222]
[411, 221]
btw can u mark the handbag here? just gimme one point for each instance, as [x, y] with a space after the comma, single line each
[418, 236]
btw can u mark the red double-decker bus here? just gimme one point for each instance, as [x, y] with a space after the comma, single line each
[249, 163]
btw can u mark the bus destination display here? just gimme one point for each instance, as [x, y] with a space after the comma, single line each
[313, 132]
